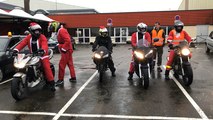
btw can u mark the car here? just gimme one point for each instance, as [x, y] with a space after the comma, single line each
[73, 43]
[209, 43]
[7, 44]
[53, 44]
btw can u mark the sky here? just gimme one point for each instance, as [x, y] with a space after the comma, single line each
[109, 6]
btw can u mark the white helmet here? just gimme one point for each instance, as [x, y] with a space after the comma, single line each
[142, 27]
[103, 31]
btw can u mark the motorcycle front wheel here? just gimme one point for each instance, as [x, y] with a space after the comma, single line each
[188, 77]
[145, 81]
[17, 89]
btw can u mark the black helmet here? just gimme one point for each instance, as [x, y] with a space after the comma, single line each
[35, 29]
[178, 26]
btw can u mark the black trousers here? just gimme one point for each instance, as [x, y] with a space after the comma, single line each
[111, 64]
[158, 52]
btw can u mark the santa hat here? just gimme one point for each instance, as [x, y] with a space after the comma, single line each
[103, 29]
[34, 26]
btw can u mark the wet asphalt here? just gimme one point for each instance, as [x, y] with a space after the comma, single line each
[115, 98]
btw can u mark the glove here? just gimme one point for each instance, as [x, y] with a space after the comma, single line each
[93, 50]
[170, 46]
[41, 52]
[14, 53]
[156, 39]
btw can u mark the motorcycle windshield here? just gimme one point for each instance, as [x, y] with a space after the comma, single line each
[102, 49]
[143, 44]
[183, 43]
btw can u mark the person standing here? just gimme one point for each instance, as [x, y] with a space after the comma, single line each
[157, 34]
[65, 48]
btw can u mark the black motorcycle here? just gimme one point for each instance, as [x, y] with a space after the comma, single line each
[181, 64]
[100, 58]
[30, 74]
[142, 56]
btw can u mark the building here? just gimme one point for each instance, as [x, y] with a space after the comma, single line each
[83, 23]
[84, 27]
[196, 4]
[203, 30]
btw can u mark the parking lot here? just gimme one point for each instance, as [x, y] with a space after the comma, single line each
[116, 98]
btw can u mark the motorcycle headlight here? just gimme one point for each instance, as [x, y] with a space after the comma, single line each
[19, 65]
[96, 55]
[139, 55]
[185, 51]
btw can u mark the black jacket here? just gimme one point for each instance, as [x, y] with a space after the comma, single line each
[103, 41]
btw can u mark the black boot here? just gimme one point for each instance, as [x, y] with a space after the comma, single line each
[130, 76]
[167, 75]
[159, 69]
[59, 83]
[113, 72]
[52, 85]
[73, 79]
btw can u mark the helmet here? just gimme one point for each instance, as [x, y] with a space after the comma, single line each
[103, 31]
[142, 27]
[53, 26]
[35, 29]
[178, 26]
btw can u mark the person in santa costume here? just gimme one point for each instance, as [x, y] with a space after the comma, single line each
[38, 42]
[65, 48]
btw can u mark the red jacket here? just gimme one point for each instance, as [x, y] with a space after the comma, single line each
[42, 43]
[182, 35]
[64, 40]
[134, 38]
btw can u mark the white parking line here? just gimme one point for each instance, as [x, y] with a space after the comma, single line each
[73, 98]
[5, 81]
[194, 104]
[129, 117]
[98, 116]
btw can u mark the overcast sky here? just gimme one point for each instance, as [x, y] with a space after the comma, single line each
[105, 6]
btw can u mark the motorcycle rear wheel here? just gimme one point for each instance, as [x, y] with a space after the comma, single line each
[17, 89]
[145, 81]
[188, 77]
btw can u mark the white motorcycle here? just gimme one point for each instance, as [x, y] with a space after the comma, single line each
[30, 74]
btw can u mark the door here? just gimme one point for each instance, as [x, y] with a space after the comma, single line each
[121, 34]
[83, 35]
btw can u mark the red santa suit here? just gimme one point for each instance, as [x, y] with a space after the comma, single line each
[65, 48]
[134, 39]
[41, 44]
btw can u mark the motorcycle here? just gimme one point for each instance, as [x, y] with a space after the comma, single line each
[142, 57]
[181, 64]
[30, 74]
[100, 58]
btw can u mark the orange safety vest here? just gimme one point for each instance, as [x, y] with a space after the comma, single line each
[159, 35]
[177, 39]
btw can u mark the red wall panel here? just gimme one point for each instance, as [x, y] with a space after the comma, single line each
[192, 17]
